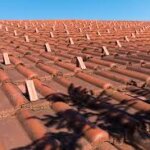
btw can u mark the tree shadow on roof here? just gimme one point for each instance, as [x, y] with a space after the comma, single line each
[100, 111]
[144, 92]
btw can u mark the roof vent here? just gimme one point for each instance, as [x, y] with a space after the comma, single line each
[48, 48]
[6, 59]
[118, 43]
[51, 35]
[80, 63]
[105, 50]
[15, 33]
[27, 38]
[71, 41]
[88, 37]
[31, 90]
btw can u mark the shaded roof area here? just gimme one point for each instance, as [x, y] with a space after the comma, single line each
[92, 85]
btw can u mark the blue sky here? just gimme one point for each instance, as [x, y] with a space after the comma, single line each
[75, 9]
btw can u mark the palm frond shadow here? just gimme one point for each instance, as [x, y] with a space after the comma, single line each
[113, 118]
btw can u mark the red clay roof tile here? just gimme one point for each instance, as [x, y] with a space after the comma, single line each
[103, 106]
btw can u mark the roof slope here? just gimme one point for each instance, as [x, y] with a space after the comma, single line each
[92, 80]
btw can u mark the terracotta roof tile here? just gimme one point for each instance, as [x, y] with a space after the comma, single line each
[104, 106]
